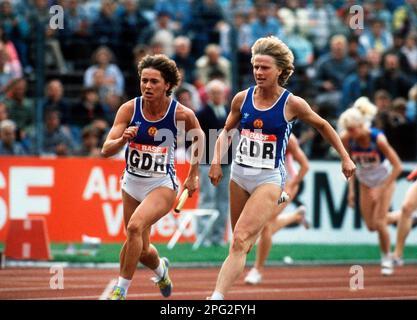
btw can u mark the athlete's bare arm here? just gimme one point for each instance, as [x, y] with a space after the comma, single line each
[299, 156]
[351, 191]
[120, 133]
[299, 108]
[224, 139]
[392, 157]
[192, 128]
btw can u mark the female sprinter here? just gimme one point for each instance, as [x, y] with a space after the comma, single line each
[148, 124]
[280, 221]
[265, 113]
[378, 168]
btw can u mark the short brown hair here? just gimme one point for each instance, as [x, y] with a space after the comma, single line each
[165, 66]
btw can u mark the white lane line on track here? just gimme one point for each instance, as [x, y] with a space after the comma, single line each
[108, 289]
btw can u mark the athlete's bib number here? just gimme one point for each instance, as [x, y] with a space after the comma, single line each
[257, 150]
[366, 160]
[147, 160]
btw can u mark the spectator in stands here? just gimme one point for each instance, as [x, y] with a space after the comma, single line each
[87, 109]
[265, 24]
[294, 16]
[4, 114]
[56, 140]
[379, 11]
[400, 131]
[21, 109]
[106, 29]
[377, 37]
[90, 143]
[195, 95]
[411, 104]
[76, 31]
[179, 10]
[212, 61]
[244, 40]
[374, 59]
[112, 79]
[383, 102]
[203, 28]
[13, 58]
[392, 79]
[8, 144]
[182, 57]
[6, 74]
[405, 17]
[357, 84]
[55, 100]
[322, 19]
[332, 70]
[133, 23]
[213, 117]
[233, 7]
[162, 31]
[15, 28]
[398, 44]
[409, 49]
[112, 103]
[183, 96]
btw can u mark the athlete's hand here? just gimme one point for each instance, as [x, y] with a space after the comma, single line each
[191, 183]
[130, 133]
[348, 167]
[215, 174]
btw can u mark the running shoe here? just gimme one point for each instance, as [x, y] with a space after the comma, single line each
[387, 267]
[164, 283]
[118, 293]
[253, 277]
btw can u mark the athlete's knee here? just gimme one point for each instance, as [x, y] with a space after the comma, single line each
[407, 210]
[371, 226]
[135, 228]
[241, 242]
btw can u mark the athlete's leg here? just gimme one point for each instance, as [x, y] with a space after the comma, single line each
[129, 206]
[384, 196]
[276, 223]
[404, 225]
[156, 204]
[393, 217]
[246, 230]
[367, 203]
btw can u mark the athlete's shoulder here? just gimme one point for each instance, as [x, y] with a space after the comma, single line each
[297, 101]
[239, 98]
[183, 113]
[128, 106]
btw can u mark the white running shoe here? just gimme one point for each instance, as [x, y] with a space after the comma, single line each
[253, 277]
[387, 267]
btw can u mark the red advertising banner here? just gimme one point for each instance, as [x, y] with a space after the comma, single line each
[77, 196]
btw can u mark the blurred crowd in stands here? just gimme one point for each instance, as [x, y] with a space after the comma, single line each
[91, 63]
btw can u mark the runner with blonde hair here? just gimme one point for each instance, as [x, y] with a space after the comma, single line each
[265, 114]
[378, 166]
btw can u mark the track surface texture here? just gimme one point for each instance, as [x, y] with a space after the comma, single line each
[295, 282]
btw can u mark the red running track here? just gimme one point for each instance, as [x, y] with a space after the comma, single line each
[295, 282]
